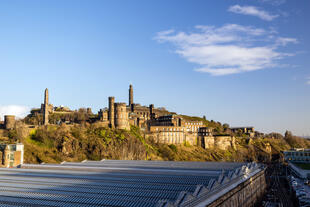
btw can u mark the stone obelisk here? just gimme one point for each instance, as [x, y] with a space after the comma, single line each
[130, 95]
[45, 108]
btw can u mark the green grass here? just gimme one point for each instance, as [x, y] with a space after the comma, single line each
[304, 166]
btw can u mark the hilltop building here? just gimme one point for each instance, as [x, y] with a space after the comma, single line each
[158, 123]
[173, 129]
[121, 116]
[244, 130]
[8, 123]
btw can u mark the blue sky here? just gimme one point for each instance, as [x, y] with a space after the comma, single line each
[237, 62]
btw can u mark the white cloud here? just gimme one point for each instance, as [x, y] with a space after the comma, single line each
[253, 11]
[228, 49]
[308, 81]
[284, 41]
[274, 2]
[18, 111]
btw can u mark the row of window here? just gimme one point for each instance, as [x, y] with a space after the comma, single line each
[143, 113]
[172, 140]
[192, 129]
[298, 159]
[170, 129]
[297, 154]
[175, 134]
[193, 123]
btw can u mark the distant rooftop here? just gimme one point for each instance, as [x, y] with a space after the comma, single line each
[120, 183]
[241, 127]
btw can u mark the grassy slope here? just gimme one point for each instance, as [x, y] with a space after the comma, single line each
[54, 144]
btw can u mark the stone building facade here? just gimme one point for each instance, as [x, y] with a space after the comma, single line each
[11, 155]
[9, 121]
[247, 193]
[169, 134]
[207, 139]
[177, 120]
[250, 131]
[103, 115]
[193, 126]
[172, 128]
[117, 115]
[141, 115]
[121, 116]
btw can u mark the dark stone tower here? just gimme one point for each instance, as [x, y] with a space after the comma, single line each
[111, 112]
[45, 108]
[152, 115]
[9, 121]
[130, 95]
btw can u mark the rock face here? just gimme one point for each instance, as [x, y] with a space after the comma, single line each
[208, 142]
[69, 146]
[220, 142]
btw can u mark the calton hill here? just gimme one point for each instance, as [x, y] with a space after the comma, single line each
[80, 138]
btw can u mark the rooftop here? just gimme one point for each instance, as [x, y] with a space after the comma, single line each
[242, 127]
[297, 150]
[120, 183]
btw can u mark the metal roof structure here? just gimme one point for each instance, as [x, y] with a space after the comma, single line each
[120, 183]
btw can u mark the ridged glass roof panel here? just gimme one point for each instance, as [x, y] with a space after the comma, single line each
[105, 183]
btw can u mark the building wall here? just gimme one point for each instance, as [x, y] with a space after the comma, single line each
[173, 130]
[121, 116]
[208, 142]
[192, 126]
[191, 138]
[145, 111]
[246, 194]
[297, 156]
[169, 120]
[12, 155]
[168, 135]
[173, 135]
[178, 121]
[103, 115]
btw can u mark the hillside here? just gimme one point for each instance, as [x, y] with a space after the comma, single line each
[54, 144]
